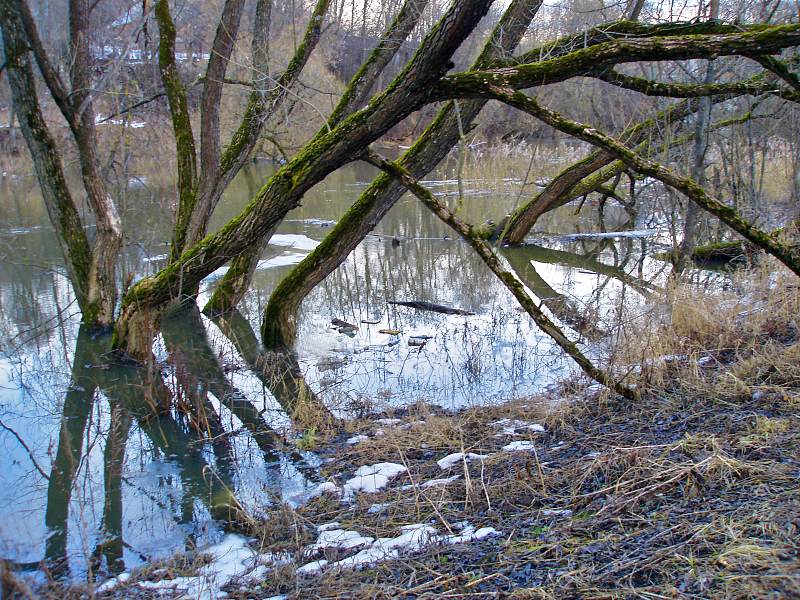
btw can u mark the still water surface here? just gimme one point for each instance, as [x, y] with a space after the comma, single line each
[90, 479]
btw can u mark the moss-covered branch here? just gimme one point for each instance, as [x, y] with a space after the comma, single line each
[752, 86]
[786, 254]
[594, 59]
[620, 30]
[181, 125]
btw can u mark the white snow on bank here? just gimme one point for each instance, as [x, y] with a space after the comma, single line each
[519, 446]
[512, 426]
[356, 439]
[458, 457]
[371, 478]
[439, 482]
[327, 487]
[368, 479]
[556, 512]
[412, 538]
[230, 559]
[112, 583]
[340, 538]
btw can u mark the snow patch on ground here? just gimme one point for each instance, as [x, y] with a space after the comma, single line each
[357, 439]
[439, 482]
[411, 539]
[371, 478]
[512, 426]
[367, 479]
[340, 538]
[519, 446]
[458, 457]
[232, 558]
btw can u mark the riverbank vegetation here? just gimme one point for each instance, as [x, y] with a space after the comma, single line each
[691, 491]
[625, 147]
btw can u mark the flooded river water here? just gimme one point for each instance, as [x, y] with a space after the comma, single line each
[90, 480]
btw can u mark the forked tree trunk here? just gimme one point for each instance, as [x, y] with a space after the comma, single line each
[279, 324]
[144, 302]
[58, 201]
[236, 281]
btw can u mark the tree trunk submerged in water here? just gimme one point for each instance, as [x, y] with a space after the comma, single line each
[279, 323]
[91, 266]
[144, 302]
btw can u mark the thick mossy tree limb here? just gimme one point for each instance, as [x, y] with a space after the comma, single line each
[596, 59]
[279, 321]
[233, 285]
[788, 255]
[144, 302]
[491, 260]
[621, 30]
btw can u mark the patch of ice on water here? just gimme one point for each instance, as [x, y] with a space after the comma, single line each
[293, 240]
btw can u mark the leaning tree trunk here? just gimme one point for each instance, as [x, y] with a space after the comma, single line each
[144, 302]
[279, 325]
[231, 289]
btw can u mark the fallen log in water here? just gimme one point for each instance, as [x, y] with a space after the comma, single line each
[430, 306]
